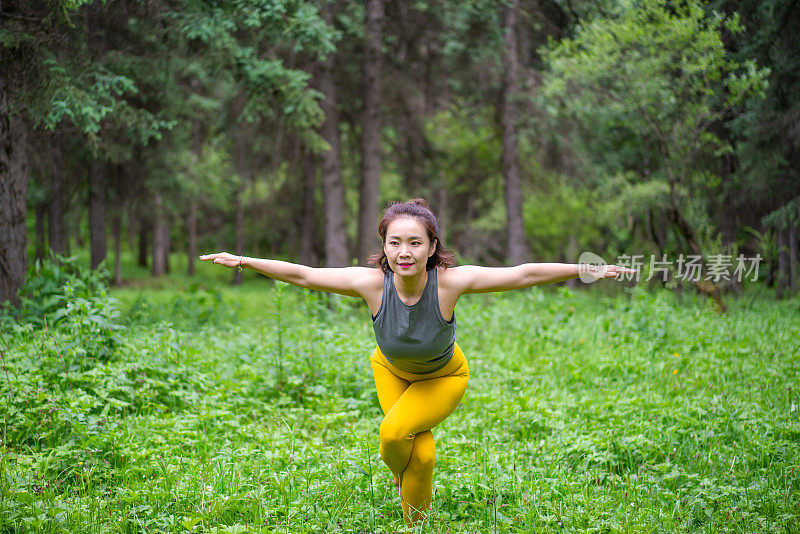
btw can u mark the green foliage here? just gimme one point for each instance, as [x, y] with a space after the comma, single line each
[466, 162]
[50, 286]
[233, 34]
[788, 214]
[561, 221]
[189, 310]
[73, 87]
[632, 89]
[65, 299]
[635, 197]
[766, 140]
[603, 411]
[646, 85]
[655, 71]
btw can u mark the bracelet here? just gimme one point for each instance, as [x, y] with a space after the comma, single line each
[240, 263]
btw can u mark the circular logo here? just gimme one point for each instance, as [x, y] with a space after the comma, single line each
[591, 267]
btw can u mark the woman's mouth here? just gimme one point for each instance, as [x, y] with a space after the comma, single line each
[404, 265]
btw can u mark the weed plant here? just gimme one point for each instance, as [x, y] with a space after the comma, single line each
[253, 409]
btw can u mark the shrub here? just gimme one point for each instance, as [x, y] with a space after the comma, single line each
[62, 296]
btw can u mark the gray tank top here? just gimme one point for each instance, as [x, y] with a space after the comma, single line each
[415, 338]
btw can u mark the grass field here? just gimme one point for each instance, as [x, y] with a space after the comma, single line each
[253, 409]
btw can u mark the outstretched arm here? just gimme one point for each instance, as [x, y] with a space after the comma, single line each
[344, 280]
[477, 279]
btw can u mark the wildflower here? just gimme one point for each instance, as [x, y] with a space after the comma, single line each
[674, 371]
[675, 354]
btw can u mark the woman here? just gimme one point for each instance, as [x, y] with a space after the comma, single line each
[420, 372]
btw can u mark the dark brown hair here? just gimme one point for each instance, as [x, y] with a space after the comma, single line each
[419, 209]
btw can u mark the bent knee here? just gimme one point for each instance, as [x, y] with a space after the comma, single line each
[391, 432]
[422, 458]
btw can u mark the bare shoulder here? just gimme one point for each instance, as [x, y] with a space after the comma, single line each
[366, 278]
[454, 279]
[368, 282]
[449, 275]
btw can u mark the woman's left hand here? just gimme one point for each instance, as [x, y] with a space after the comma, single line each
[591, 273]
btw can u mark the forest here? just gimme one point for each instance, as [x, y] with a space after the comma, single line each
[142, 390]
[537, 131]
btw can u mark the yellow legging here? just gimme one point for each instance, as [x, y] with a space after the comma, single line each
[413, 404]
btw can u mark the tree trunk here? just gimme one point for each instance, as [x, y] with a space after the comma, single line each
[74, 222]
[239, 229]
[191, 225]
[167, 243]
[370, 132]
[684, 229]
[413, 136]
[13, 193]
[41, 209]
[55, 212]
[97, 213]
[244, 169]
[771, 264]
[131, 226]
[783, 262]
[307, 256]
[261, 213]
[67, 240]
[143, 231]
[793, 266]
[332, 187]
[517, 250]
[656, 230]
[727, 215]
[159, 257]
[443, 206]
[116, 231]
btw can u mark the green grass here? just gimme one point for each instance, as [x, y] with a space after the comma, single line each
[253, 409]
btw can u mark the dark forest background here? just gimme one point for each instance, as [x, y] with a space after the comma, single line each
[536, 129]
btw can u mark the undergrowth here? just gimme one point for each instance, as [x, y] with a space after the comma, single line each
[254, 410]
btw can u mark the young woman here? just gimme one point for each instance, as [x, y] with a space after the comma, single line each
[419, 369]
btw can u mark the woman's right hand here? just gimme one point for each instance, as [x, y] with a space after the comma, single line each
[223, 258]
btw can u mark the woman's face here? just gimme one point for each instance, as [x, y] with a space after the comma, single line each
[407, 246]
